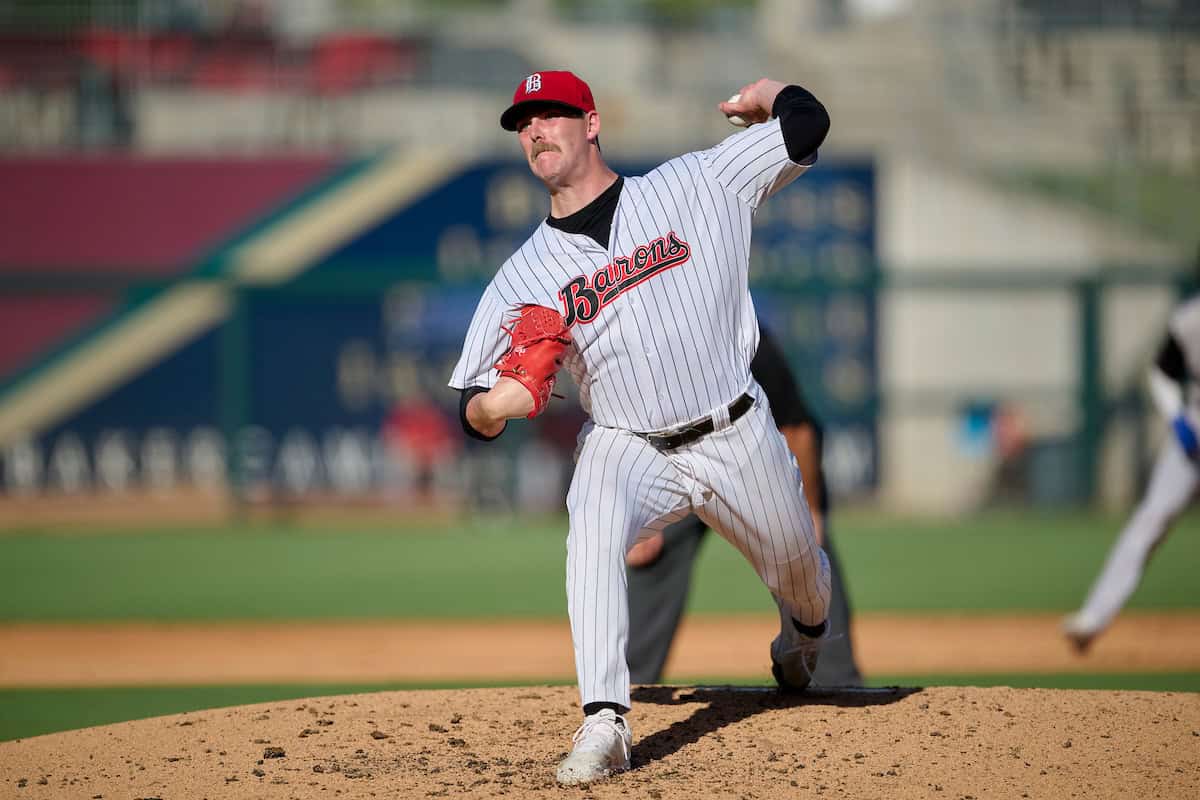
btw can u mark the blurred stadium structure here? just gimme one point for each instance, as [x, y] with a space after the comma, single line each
[239, 241]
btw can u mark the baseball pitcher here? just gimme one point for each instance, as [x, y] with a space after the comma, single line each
[638, 286]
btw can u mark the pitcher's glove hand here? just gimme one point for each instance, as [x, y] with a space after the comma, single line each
[539, 338]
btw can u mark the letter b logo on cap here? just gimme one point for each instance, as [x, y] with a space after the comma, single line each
[533, 83]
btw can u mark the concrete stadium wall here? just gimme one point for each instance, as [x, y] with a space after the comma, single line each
[943, 349]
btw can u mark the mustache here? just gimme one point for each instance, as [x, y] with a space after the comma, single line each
[541, 147]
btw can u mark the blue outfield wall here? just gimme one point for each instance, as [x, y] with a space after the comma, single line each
[335, 380]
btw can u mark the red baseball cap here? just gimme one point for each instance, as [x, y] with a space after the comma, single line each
[557, 88]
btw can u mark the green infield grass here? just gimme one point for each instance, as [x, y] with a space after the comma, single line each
[33, 712]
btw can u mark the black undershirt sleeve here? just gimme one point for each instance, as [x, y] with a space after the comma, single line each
[803, 120]
[464, 398]
[1170, 360]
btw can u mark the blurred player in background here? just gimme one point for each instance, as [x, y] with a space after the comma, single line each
[1173, 386]
[660, 566]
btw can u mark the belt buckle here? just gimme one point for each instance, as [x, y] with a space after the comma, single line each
[661, 441]
[680, 434]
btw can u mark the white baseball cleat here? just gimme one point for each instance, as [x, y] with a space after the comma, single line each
[794, 655]
[601, 748]
[1080, 631]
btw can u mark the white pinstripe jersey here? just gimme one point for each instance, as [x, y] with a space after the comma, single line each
[662, 323]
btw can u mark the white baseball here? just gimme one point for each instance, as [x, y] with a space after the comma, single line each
[734, 119]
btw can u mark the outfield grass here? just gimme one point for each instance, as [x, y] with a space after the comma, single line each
[989, 563]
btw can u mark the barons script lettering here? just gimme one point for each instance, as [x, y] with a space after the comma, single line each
[584, 295]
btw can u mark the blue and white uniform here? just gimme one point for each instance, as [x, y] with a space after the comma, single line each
[1173, 385]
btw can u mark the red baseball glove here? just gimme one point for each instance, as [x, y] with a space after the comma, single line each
[539, 338]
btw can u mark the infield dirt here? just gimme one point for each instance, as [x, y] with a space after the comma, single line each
[690, 743]
[523, 651]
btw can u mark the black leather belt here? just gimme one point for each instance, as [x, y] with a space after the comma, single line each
[692, 431]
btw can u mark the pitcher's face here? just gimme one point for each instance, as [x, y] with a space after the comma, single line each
[555, 142]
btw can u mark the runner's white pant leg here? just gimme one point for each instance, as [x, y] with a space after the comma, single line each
[1172, 484]
[621, 485]
[757, 503]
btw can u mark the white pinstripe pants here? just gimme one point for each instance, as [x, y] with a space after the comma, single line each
[742, 481]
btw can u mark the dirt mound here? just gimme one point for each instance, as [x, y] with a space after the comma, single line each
[690, 743]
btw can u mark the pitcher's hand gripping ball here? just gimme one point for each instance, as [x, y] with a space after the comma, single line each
[736, 119]
[539, 337]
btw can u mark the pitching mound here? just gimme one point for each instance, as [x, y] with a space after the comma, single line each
[690, 743]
